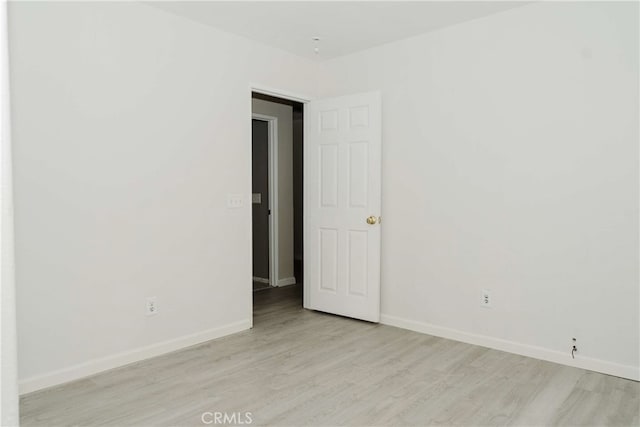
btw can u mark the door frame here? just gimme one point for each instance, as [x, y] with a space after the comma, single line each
[272, 160]
[278, 93]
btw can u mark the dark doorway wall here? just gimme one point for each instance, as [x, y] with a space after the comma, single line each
[298, 134]
[260, 185]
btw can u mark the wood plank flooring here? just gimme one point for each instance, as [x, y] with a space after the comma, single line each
[303, 368]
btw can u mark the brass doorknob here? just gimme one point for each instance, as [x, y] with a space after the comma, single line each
[372, 220]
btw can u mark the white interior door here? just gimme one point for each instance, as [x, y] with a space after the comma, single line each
[342, 174]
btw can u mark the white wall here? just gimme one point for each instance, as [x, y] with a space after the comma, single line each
[284, 113]
[9, 407]
[131, 127]
[511, 163]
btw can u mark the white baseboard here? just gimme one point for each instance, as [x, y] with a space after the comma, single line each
[618, 370]
[287, 281]
[96, 366]
[281, 282]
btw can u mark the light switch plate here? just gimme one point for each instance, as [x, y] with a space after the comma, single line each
[234, 201]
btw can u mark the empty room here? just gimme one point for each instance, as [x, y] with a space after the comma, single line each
[320, 213]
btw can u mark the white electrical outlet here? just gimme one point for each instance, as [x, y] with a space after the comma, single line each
[152, 306]
[486, 298]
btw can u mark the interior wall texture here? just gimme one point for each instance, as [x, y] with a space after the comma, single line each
[510, 163]
[131, 128]
[284, 114]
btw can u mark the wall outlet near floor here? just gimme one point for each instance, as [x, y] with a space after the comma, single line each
[152, 306]
[486, 298]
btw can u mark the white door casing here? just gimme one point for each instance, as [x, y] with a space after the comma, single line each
[342, 188]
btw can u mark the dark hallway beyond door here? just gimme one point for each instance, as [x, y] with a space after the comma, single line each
[260, 210]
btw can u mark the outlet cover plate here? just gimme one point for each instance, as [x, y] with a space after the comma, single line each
[152, 306]
[486, 299]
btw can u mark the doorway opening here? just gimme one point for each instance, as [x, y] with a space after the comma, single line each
[277, 201]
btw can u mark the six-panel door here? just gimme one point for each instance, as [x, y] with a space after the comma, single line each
[342, 172]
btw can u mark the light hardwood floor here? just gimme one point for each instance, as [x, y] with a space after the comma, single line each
[297, 367]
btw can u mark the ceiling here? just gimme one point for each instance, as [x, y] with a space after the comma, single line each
[343, 27]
